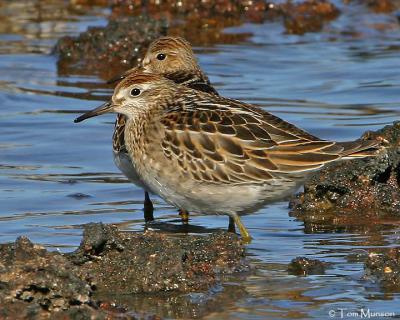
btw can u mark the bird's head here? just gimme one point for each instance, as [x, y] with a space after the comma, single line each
[168, 55]
[134, 93]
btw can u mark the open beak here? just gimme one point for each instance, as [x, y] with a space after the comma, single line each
[104, 108]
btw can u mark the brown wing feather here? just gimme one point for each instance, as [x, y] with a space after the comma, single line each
[237, 143]
[221, 140]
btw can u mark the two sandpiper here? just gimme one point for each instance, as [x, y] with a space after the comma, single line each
[205, 153]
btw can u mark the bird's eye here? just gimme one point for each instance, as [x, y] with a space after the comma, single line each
[135, 92]
[161, 56]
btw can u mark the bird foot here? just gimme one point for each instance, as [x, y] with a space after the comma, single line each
[184, 216]
[246, 238]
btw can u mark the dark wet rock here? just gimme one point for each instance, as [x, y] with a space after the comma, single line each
[302, 266]
[135, 263]
[363, 191]
[117, 46]
[384, 267]
[90, 282]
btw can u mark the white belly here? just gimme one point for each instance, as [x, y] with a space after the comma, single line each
[123, 162]
[208, 198]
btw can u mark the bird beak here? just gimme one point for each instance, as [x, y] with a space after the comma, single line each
[104, 108]
[124, 75]
[117, 78]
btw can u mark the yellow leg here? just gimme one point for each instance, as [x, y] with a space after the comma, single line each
[243, 231]
[184, 215]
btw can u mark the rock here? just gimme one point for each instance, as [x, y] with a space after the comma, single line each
[36, 282]
[302, 266]
[384, 268]
[109, 264]
[352, 193]
[108, 50]
[143, 263]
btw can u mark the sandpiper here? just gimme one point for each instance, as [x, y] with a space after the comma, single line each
[212, 155]
[173, 58]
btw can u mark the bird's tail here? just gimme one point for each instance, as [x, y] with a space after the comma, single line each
[359, 148]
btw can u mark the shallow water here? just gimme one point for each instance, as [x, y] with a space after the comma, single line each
[56, 176]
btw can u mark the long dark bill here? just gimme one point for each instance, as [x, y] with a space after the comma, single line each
[104, 108]
[116, 79]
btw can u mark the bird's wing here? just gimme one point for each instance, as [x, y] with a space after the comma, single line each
[196, 80]
[202, 86]
[221, 140]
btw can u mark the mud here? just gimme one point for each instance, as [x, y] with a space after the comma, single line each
[302, 266]
[354, 193]
[384, 268]
[108, 265]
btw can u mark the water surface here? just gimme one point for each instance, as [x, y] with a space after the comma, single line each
[56, 176]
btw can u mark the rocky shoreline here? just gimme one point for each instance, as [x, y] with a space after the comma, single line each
[108, 264]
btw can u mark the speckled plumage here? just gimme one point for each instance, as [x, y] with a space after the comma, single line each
[212, 155]
[180, 66]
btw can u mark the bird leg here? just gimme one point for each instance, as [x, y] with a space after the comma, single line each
[243, 231]
[148, 208]
[184, 216]
[231, 227]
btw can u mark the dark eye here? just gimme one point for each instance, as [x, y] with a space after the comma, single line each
[135, 92]
[161, 56]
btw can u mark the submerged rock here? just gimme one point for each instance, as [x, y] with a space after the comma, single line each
[385, 269]
[356, 192]
[302, 266]
[108, 264]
